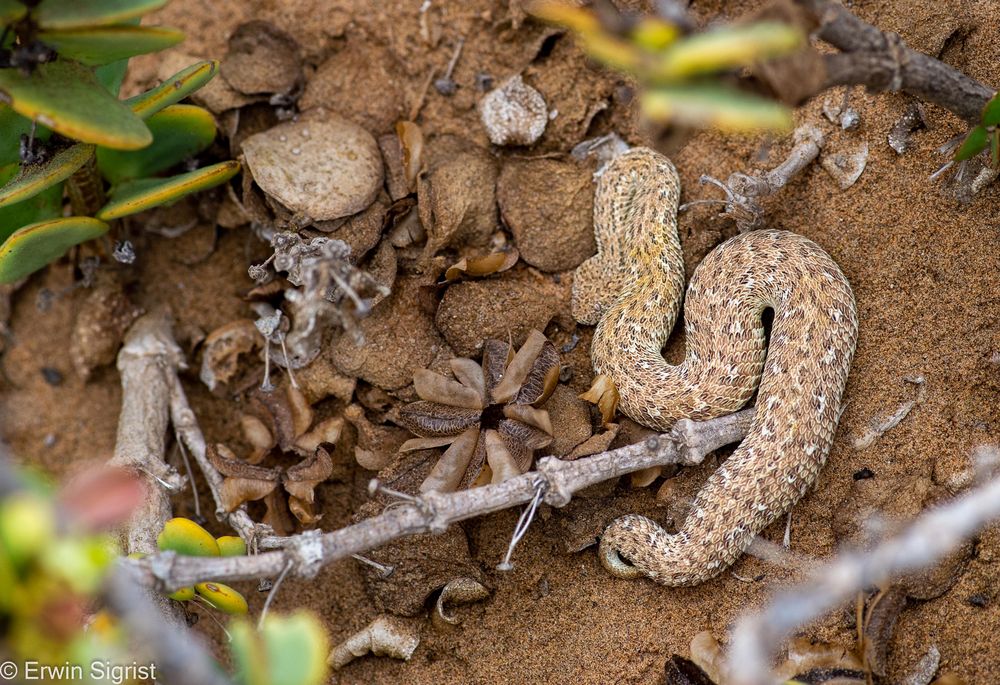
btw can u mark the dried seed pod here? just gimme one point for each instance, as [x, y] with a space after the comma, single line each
[514, 114]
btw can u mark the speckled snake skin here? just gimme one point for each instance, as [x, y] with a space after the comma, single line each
[632, 290]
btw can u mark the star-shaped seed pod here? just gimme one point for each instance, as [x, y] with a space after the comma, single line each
[489, 414]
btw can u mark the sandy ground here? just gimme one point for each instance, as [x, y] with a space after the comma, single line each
[924, 271]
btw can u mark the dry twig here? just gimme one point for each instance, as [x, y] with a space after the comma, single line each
[688, 443]
[882, 61]
[744, 190]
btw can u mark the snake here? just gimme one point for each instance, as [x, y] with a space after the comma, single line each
[633, 288]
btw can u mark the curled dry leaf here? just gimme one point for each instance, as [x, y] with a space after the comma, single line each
[489, 415]
[222, 350]
[385, 636]
[458, 591]
[243, 482]
[259, 437]
[879, 623]
[375, 445]
[486, 265]
[604, 394]
[681, 671]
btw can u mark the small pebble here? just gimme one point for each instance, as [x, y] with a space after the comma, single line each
[978, 600]
[52, 376]
[864, 474]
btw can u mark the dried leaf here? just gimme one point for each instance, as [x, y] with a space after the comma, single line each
[532, 416]
[259, 437]
[237, 491]
[450, 469]
[428, 443]
[542, 379]
[486, 265]
[469, 374]
[604, 394]
[681, 671]
[274, 409]
[227, 463]
[500, 459]
[302, 413]
[434, 387]
[326, 432]
[411, 140]
[520, 366]
[301, 479]
[496, 356]
[431, 420]
[880, 621]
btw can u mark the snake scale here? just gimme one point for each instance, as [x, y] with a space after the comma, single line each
[632, 290]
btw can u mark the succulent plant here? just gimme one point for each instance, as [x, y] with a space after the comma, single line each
[63, 129]
[490, 416]
[678, 74]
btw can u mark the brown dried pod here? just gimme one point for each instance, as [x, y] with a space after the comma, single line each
[489, 414]
[486, 265]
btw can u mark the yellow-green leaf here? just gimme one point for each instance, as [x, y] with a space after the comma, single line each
[137, 196]
[105, 44]
[222, 597]
[45, 205]
[179, 131]
[185, 594]
[726, 48]
[67, 97]
[288, 650]
[36, 178]
[11, 11]
[184, 536]
[31, 247]
[174, 89]
[653, 33]
[68, 14]
[231, 546]
[715, 106]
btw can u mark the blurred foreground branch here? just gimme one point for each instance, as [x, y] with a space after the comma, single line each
[931, 537]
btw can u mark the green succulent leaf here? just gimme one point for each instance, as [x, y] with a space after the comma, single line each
[111, 75]
[288, 650]
[72, 14]
[67, 98]
[31, 247]
[105, 44]
[179, 131]
[174, 89]
[36, 178]
[45, 205]
[974, 143]
[11, 11]
[145, 193]
[715, 106]
[991, 112]
[726, 48]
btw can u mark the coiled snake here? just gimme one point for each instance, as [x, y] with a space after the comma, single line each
[632, 290]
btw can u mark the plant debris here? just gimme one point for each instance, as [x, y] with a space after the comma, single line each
[490, 416]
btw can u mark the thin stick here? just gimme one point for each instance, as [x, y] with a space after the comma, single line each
[271, 594]
[688, 443]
